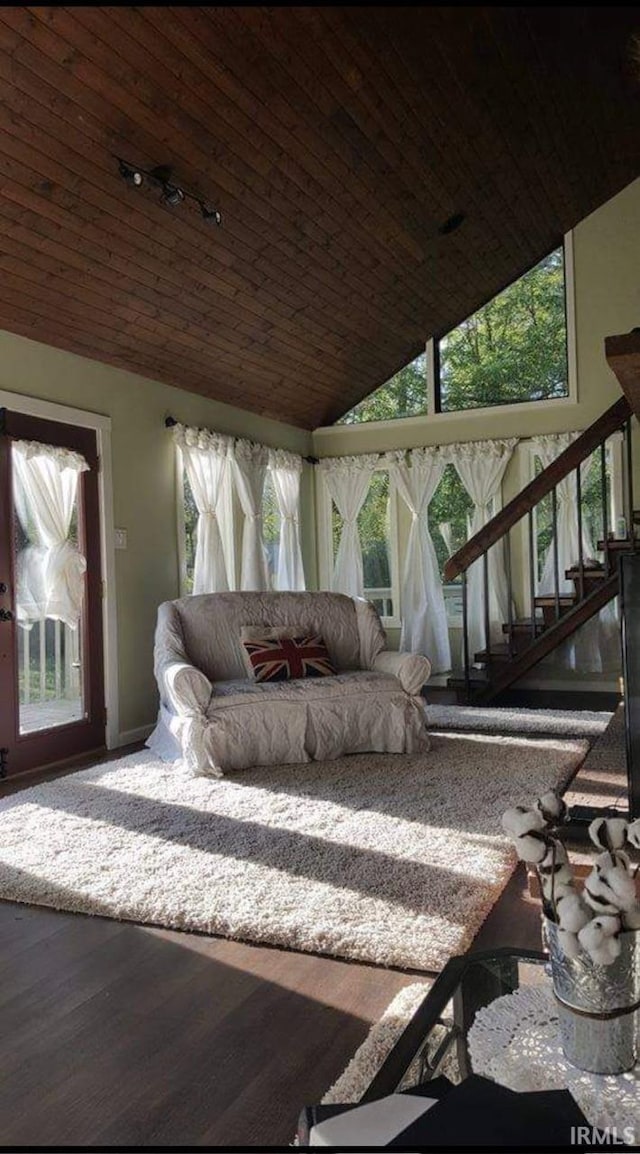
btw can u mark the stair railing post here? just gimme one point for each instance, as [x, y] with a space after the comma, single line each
[532, 577]
[554, 530]
[580, 549]
[465, 636]
[604, 499]
[627, 435]
[507, 561]
[485, 583]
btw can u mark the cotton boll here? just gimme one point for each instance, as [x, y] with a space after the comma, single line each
[599, 938]
[604, 861]
[519, 821]
[556, 855]
[572, 912]
[569, 943]
[530, 848]
[598, 894]
[551, 807]
[553, 883]
[633, 833]
[613, 871]
[608, 833]
[631, 918]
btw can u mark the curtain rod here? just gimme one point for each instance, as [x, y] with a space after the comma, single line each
[171, 421]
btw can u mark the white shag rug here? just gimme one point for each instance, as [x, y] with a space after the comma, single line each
[550, 722]
[382, 1037]
[388, 859]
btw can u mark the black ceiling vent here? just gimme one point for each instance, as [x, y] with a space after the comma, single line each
[451, 223]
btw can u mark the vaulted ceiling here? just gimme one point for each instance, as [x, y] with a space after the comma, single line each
[335, 142]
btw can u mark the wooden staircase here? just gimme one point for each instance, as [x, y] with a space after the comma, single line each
[552, 618]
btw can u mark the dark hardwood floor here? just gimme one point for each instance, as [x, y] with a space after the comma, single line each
[122, 1035]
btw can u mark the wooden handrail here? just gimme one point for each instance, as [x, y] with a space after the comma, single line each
[578, 451]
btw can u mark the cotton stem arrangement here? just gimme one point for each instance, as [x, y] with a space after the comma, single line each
[590, 920]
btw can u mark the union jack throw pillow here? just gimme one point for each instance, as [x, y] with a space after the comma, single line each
[286, 658]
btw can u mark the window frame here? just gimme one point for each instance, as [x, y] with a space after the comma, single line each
[325, 542]
[432, 417]
[433, 366]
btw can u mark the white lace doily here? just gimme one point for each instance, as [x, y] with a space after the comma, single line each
[516, 1041]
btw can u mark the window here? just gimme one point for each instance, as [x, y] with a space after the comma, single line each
[377, 529]
[511, 350]
[404, 395]
[450, 515]
[518, 348]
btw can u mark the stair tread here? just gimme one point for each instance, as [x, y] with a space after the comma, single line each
[523, 625]
[616, 544]
[590, 574]
[549, 599]
[496, 653]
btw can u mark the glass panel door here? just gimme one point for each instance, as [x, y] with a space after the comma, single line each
[51, 676]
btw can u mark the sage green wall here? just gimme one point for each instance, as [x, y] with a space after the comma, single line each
[606, 253]
[143, 485]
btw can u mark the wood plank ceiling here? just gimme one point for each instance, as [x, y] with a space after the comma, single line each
[335, 142]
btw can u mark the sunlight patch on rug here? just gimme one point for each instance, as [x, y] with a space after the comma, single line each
[389, 859]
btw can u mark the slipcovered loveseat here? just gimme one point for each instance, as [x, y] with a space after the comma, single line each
[217, 718]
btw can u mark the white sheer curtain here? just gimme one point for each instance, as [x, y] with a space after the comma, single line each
[206, 461]
[481, 466]
[249, 462]
[50, 570]
[286, 474]
[596, 644]
[424, 616]
[348, 480]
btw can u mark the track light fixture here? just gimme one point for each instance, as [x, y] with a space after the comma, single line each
[170, 193]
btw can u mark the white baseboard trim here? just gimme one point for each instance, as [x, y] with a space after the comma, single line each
[132, 735]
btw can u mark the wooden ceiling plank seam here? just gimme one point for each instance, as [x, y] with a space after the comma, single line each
[311, 114]
[321, 192]
[300, 66]
[532, 81]
[222, 349]
[453, 142]
[535, 249]
[317, 251]
[365, 113]
[511, 167]
[190, 11]
[131, 82]
[116, 223]
[132, 357]
[503, 96]
[148, 336]
[468, 132]
[90, 263]
[274, 287]
[564, 78]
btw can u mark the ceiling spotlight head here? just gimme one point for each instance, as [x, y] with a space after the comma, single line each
[172, 195]
[211, 215]
[131, 174]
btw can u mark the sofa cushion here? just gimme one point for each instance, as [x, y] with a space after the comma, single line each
[288, 658]
[280, 722]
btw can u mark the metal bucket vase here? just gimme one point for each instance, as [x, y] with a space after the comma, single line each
[597, 1005]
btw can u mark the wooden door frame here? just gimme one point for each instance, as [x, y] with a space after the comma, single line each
[101, 425]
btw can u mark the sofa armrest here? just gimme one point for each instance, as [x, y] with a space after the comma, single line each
[184, 688]
[187, 689]
[411, 669]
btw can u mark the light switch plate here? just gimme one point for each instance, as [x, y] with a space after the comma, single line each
[120, 538]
